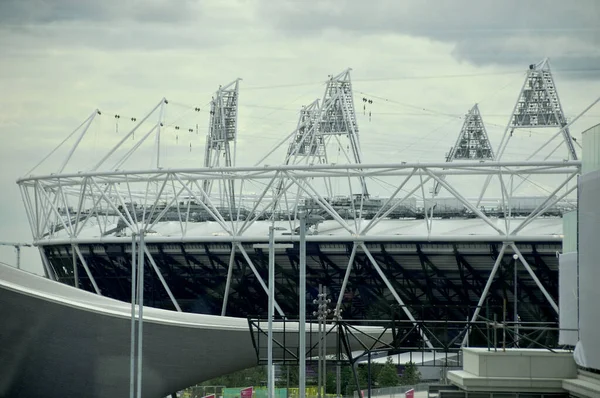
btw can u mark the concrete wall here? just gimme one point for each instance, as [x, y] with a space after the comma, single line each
[591, 149]
[569, 232]
[519, 363]
[588, 351]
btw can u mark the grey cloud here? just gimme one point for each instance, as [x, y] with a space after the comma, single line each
[19, 12]
[511, 32]
[27, 25]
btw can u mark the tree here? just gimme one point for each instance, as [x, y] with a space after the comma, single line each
[388, 375]
[411, 375]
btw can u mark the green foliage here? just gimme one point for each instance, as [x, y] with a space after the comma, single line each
[388, 375]
[381, 376]
[255, 376]
[411, 375]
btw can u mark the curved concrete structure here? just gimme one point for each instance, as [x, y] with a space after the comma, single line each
[58, 341]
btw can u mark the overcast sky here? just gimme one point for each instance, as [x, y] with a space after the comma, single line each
[423, 63]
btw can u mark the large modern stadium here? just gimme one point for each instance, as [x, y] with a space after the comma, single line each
[470, 235]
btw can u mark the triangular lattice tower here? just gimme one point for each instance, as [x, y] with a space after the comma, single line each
[538, 106]
[222, 129]
[222, 133]
[338, 116]
[472, 142]
[318, 124]
[305, 141]
[335, 117]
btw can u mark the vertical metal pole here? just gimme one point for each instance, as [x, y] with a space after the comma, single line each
[228, 283]
[18, 248]
[495, 332]
[270, 379]
[140, 312]
[369, 374]
[487, 323]
[515, 314]
[468, 330]
[320, 342]
[324, 382]
[75, 269]
[338, 369]
[504, 325]
[302, 315]
[133, 295]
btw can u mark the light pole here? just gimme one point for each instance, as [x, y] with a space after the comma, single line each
[271, 375]
[302, 315]
[271, 310]
[515, 313]
[322, 312]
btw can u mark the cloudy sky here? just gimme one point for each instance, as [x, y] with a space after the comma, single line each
[423, 63]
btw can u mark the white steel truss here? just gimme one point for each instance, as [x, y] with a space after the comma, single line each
[105, 204]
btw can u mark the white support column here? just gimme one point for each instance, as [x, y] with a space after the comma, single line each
[140, 294]
[162, 280]
[228, 283]
[302, 305]
[47, 265]
[485, 291]
[258, 277]
[346, 278]
[132, 357]
[270, 368]
[395, 294]
[535, 278]
[87, 269]
[75, 268]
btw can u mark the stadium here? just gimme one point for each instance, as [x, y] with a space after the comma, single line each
[471, 235]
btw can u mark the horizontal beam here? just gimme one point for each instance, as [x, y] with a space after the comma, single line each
[446, 168]
[537, 239]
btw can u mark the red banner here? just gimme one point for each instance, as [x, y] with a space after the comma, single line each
[246, 392]
[210, 396]
[410, 394]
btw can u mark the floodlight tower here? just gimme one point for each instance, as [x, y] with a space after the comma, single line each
[472, 143]
[538, 106]
[335, 117]
[306, 141]
[338, 117]
[222, 132]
